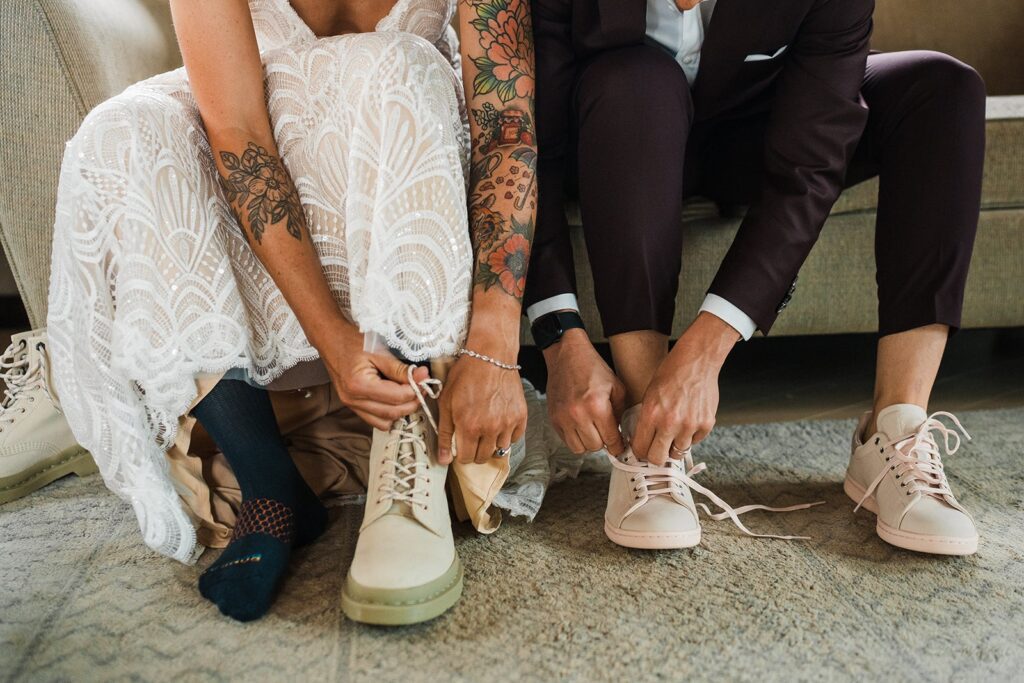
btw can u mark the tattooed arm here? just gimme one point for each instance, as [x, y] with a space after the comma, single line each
[484, 405]
[225, 72]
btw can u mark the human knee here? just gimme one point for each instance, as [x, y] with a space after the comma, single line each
[957, 82]
[133, 115]
[633, 75]
[393, 58]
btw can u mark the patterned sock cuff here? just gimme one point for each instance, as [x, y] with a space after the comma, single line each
[265, 516]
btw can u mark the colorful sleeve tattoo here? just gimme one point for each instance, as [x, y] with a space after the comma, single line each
[498, 67]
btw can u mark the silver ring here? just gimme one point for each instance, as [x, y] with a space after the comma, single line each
[676, 450]
[501, 452]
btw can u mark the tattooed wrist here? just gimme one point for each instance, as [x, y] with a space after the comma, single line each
[261, 192]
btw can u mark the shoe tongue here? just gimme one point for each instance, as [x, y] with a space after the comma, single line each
[901, 420]
[401, 507]
[628, 422]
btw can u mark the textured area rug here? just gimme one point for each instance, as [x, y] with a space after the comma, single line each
[83, 599]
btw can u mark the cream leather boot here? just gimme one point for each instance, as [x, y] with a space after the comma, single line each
[405, 568]
[36, 444]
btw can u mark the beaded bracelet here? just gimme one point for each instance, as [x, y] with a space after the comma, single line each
[488, 359]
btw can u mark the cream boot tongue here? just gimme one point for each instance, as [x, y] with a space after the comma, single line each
[901, 419]
[400, 507]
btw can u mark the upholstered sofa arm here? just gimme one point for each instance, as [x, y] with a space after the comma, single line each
[58, 59]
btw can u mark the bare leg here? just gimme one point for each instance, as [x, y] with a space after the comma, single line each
[907, 365]
[637, 356]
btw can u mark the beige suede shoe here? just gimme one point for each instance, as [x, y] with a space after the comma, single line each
[898, 475]
[405, 568]
[36, 444]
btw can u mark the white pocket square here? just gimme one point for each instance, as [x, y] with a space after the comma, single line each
[762, 58]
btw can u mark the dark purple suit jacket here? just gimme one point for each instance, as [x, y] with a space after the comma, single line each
[817, 116]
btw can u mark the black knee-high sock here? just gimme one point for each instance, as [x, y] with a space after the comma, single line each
[278, 509]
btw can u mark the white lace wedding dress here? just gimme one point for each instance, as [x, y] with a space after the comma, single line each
[153, 282]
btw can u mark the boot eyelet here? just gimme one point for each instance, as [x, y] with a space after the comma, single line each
[876, 440]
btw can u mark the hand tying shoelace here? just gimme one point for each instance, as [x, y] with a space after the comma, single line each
[917, 461]
[650, 481]
[410, 475]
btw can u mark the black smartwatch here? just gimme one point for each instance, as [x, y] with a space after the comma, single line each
[549, 328]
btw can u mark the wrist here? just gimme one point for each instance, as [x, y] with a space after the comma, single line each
[572, 341]
[494, 335]
[709, 338]
[334, 334]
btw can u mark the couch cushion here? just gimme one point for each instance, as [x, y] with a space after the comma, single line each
[1004, 162]
[1004, 153]
[60, 59]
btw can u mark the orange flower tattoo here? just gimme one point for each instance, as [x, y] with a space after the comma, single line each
[508, 264]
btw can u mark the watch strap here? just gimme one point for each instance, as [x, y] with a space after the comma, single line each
[548, 329]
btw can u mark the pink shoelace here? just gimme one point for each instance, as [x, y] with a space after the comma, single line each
[680, 473]
[917, 461]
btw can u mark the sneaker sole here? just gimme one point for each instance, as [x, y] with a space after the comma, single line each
[922, 543]
[646, 540]
[77, 461]
[372, 606]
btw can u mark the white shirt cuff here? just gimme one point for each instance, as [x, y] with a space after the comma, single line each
[562, 302]
[734, 317]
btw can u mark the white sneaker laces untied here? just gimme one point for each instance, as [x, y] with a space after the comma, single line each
[678, 474]
[409, 476]
[21, 377]
[916, 461]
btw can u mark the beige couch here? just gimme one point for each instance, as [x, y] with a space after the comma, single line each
[59, 58]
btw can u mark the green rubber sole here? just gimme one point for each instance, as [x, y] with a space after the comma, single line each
[77, 461]
[406, 606]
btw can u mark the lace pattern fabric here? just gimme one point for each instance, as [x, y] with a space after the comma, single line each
[153, 283]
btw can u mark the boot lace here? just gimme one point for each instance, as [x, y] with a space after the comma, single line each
[409, 478]
[916, 460]
[22, 377]
[650, 481]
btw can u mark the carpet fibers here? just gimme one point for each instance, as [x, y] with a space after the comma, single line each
[83, 599]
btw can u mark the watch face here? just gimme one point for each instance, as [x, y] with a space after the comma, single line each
[549, 329]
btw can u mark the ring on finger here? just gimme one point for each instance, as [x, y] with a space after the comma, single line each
[502, 452]
[676, 450]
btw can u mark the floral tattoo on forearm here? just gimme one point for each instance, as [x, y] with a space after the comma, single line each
[503, 196]
[261, 192]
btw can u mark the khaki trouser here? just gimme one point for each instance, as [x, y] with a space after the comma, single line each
[330, 446]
